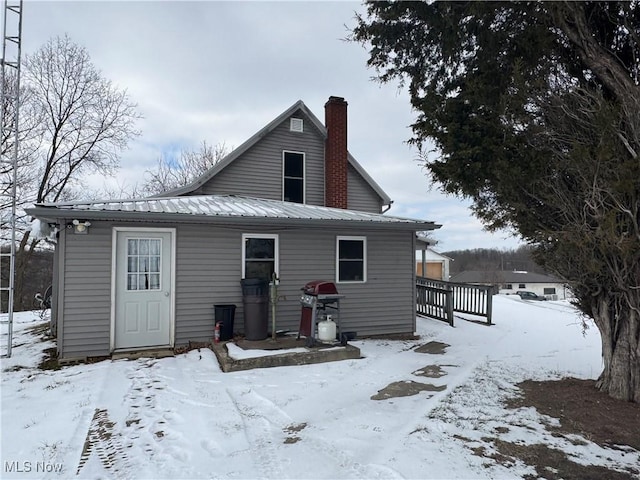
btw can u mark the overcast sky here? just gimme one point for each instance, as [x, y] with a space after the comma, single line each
[220, 71]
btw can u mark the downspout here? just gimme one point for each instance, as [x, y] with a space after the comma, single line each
[388, 207]
[61, 248]
[273, 294]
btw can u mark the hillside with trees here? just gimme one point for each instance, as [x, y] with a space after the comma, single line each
[491, 259]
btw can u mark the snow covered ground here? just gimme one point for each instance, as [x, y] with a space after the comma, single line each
[182, 417]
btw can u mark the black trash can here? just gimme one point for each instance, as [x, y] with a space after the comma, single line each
[255, 299]
[224, 315]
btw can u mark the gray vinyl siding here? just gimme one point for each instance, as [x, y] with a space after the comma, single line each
[384, 304]
[208, 272]
[258, 171]
[360, 195]
[86, 308]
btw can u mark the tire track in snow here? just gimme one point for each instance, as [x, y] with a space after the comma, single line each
[139, 427]
[342, 463]
[103, 448]
[105, 444]
[265, 426]
[261, 419]
[149, 421]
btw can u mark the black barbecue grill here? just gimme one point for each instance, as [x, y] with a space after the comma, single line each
[318, 297]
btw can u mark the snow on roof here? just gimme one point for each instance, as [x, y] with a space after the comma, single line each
[228, 206]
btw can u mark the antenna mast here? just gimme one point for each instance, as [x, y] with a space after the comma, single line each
[10, 107]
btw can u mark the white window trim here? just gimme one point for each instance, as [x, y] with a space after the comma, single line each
[364, 253]
[304, 174]
[296, 125]
[273, 236]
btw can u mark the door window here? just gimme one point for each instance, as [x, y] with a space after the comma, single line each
[143, 263]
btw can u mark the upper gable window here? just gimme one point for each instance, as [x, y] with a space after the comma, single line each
[293, 177]
[296, 125]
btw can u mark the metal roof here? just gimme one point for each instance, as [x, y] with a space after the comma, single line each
[207, 208]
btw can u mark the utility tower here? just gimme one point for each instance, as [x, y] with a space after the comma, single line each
[9, 123]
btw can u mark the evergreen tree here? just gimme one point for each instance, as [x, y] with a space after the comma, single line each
[534, 112]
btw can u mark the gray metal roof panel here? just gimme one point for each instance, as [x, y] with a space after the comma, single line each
[224, 206]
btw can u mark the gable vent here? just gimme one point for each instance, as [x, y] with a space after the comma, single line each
[296, 125]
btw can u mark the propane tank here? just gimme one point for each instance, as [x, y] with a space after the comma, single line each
[327, 330]
[216, 333]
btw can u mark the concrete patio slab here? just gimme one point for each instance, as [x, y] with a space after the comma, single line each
[320, 353]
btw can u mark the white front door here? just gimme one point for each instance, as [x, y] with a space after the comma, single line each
[143, 290]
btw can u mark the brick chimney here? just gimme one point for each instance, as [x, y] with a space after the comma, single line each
[335, 153]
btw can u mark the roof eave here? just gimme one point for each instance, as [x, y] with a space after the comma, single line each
[52, 214]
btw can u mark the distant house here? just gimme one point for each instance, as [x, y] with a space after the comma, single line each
[432, 264]
[510, 282]
[145, 273]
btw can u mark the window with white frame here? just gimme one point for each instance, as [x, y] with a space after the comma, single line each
[351, 259]
[143, 263]
[549, 291]
[259, 255]
[293, 177]
[522, 285]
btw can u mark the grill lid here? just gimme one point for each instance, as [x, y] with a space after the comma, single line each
[320, 287]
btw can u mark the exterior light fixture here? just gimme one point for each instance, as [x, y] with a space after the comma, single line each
[81, 228]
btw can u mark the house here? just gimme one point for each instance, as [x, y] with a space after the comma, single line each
[146, 273]
[510, 282]
[432, 264]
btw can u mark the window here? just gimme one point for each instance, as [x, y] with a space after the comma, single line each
[259, 255]
[296, 125]
[143, 263]
[508, 286]
[549, 291]
[293, 177]
[522, 285]
[351, 259]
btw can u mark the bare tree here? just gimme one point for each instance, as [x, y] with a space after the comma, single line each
[172, 173]
[86, 122]
[28, 136]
